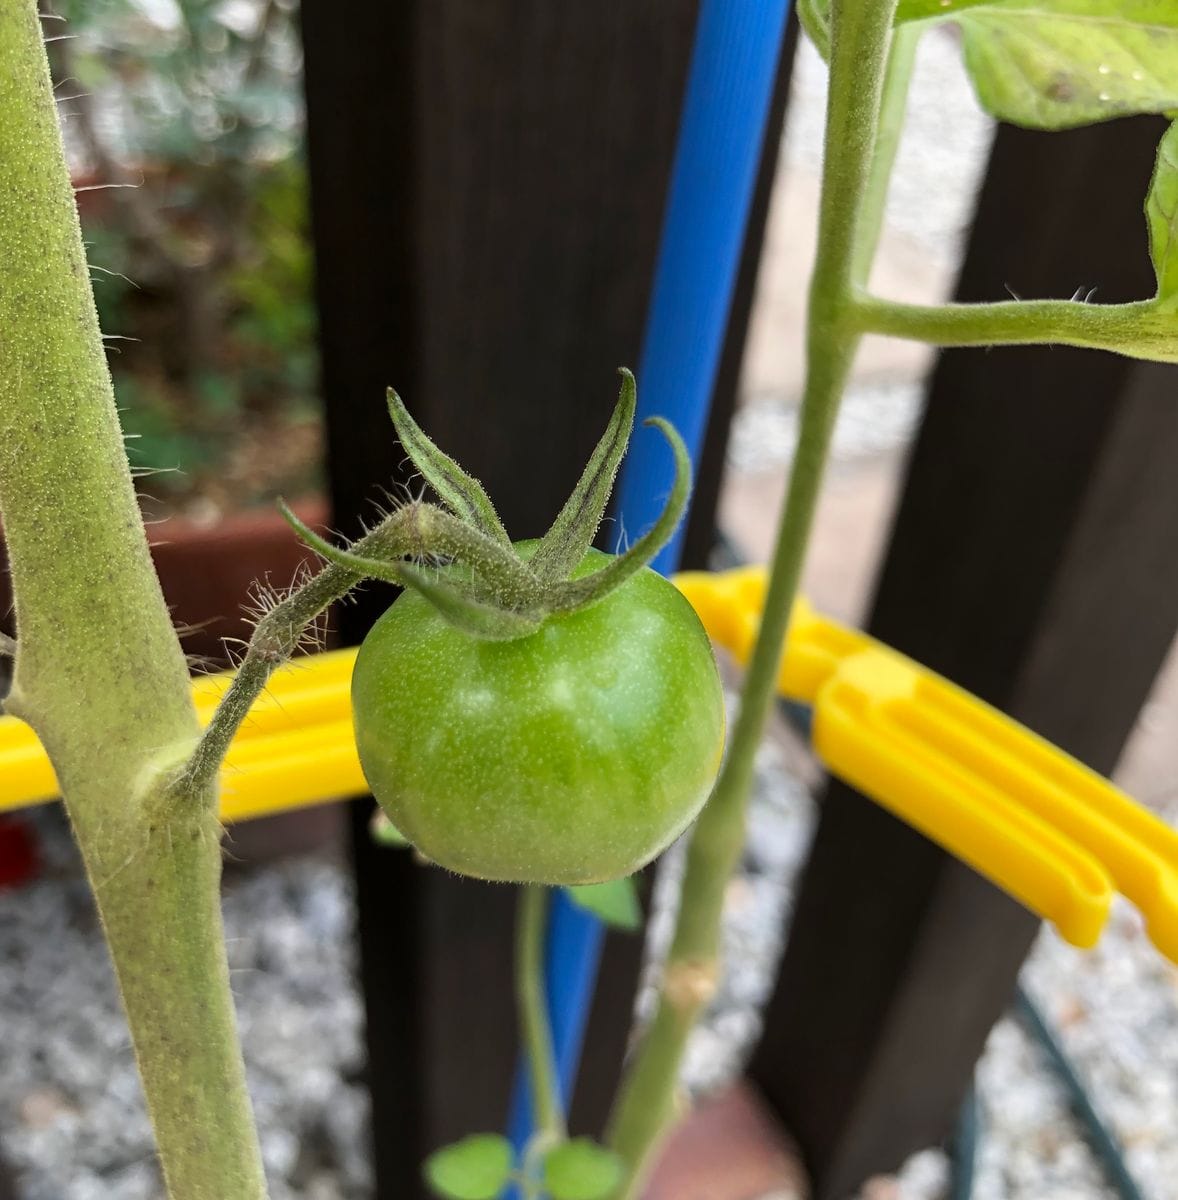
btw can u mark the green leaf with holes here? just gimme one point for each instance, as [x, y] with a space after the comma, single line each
[581, 1170]
[1161, 214]
[476, 1168]
[615, 902]
[1055, 64]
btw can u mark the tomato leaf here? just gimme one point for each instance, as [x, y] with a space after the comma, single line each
[1161, 214]
[615, 902]
[588, 589]
[574, 529]
[581, 1170]
[458, 491]
[476, 1168]
[923, 10]
[1055, 64]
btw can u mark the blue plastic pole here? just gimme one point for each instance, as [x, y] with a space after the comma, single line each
[722, 128]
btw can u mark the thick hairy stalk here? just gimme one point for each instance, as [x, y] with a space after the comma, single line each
[99, 672]
[645, 1106]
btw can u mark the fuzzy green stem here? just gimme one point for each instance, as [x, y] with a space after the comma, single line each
[1143, 329]
[532, 1003]
[645, 1107]
[99, 671]
[276, 637]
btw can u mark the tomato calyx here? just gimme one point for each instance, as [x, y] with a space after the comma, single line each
[459, 557]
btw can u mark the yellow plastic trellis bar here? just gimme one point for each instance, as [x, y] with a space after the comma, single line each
[1053, 834]
[294, 749]
[1042, 826]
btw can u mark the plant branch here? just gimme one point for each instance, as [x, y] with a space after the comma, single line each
[645, 1107]
[535, 1034]
[1143, 329]
[100, 674]
[276, 637]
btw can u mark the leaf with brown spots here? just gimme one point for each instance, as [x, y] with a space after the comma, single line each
[1056, 64]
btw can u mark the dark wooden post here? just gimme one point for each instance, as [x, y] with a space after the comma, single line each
[487, 189]
[1032, 561]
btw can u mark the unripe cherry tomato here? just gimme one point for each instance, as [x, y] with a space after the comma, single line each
[573, 755]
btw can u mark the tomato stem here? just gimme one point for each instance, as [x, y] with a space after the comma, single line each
[275, 638]
[532, 1004]
[99, 671]
[1145, 329]
[859, 54]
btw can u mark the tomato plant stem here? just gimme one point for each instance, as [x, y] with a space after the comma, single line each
[535, 1032]
[645, 1106]
[1142, 329]
[99, 673]
[276, 636]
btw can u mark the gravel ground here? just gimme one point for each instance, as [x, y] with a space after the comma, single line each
[71, 1115]
[876, 416]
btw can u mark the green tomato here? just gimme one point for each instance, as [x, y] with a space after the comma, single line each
[574, 755]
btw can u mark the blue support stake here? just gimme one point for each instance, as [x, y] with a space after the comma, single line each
[730, 85]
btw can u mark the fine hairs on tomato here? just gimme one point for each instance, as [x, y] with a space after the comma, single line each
[573, 755]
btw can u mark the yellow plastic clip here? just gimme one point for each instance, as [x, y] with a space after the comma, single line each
[1055, 835]
[294, 749]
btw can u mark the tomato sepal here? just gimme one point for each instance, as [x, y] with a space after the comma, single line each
[457, 490]
[573, 531]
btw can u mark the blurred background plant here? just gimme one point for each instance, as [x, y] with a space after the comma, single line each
[200, 252]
